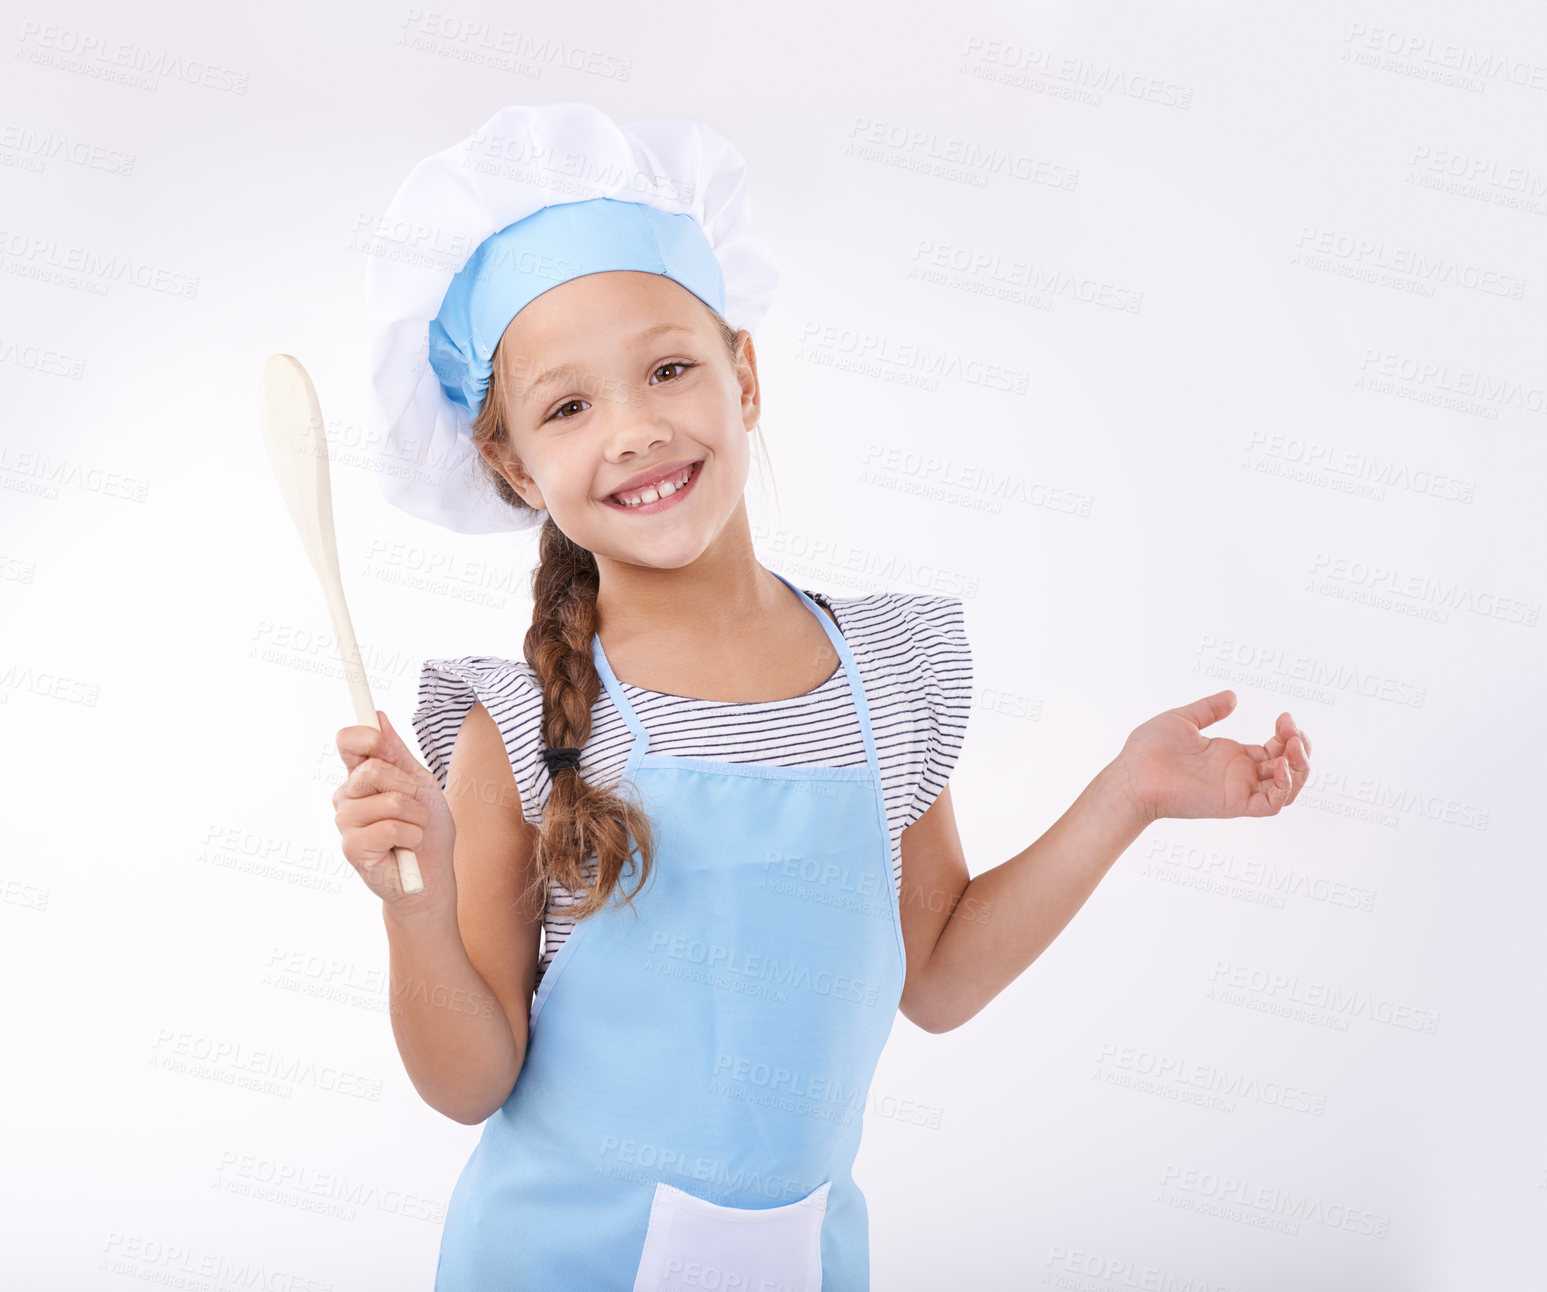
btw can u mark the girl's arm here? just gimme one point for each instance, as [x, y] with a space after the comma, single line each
[463, 973]
[969, 939]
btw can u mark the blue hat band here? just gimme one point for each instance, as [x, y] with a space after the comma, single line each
[523, 260]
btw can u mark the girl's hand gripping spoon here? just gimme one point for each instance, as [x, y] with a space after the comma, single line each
[297, 444]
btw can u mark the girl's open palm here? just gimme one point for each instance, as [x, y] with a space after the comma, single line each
[1172, 769]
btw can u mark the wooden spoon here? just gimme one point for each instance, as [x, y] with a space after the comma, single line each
[297, 442]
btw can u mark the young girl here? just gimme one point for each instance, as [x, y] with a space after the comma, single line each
[721, 799]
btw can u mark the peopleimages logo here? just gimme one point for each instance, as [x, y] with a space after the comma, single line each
[1240, 1199]
[632, 1159]
[1290, 989]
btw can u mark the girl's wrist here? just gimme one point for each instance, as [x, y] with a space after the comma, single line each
[421, 916]
[1125, 796]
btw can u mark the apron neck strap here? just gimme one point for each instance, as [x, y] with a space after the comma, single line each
[845, 657]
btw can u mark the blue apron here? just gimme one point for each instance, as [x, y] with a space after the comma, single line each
[691, 1102]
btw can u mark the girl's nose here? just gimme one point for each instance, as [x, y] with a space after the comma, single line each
[631, 432]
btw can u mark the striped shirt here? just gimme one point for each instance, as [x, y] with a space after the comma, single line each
[914, 662]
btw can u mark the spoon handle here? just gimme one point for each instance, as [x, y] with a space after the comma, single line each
[296, 439]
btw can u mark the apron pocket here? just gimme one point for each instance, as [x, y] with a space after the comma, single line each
[693, 1243]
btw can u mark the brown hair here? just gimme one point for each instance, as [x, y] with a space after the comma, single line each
[579, 819]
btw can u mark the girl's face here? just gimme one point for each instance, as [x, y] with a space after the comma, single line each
[618, 374]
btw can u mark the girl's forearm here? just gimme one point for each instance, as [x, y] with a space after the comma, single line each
[1007, 916]
[455, 1039]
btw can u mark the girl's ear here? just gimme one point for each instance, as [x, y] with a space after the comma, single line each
[527, 488]
[511, 469]
[746, 375]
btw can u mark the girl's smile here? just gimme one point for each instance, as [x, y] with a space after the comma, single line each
[664, 490]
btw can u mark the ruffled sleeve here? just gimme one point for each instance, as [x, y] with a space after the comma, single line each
[448, 689]
[942, 666]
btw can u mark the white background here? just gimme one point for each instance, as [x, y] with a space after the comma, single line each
[1270, 280]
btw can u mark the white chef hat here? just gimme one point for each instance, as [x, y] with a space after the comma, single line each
[534, 197]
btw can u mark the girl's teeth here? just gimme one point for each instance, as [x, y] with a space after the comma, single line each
[653, 493]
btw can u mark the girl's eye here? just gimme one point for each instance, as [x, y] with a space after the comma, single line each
[554, 416]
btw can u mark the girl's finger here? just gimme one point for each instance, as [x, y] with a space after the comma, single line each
[1209, 710]
[363, 742]
[1265, 801]
[373, 776]
[1277, 785]
[397, 751]
[1300, 766]
[395, 801]
[1276, 796]
[377, 840]
[1278, 743]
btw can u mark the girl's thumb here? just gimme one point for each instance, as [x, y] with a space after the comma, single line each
[388, 731]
